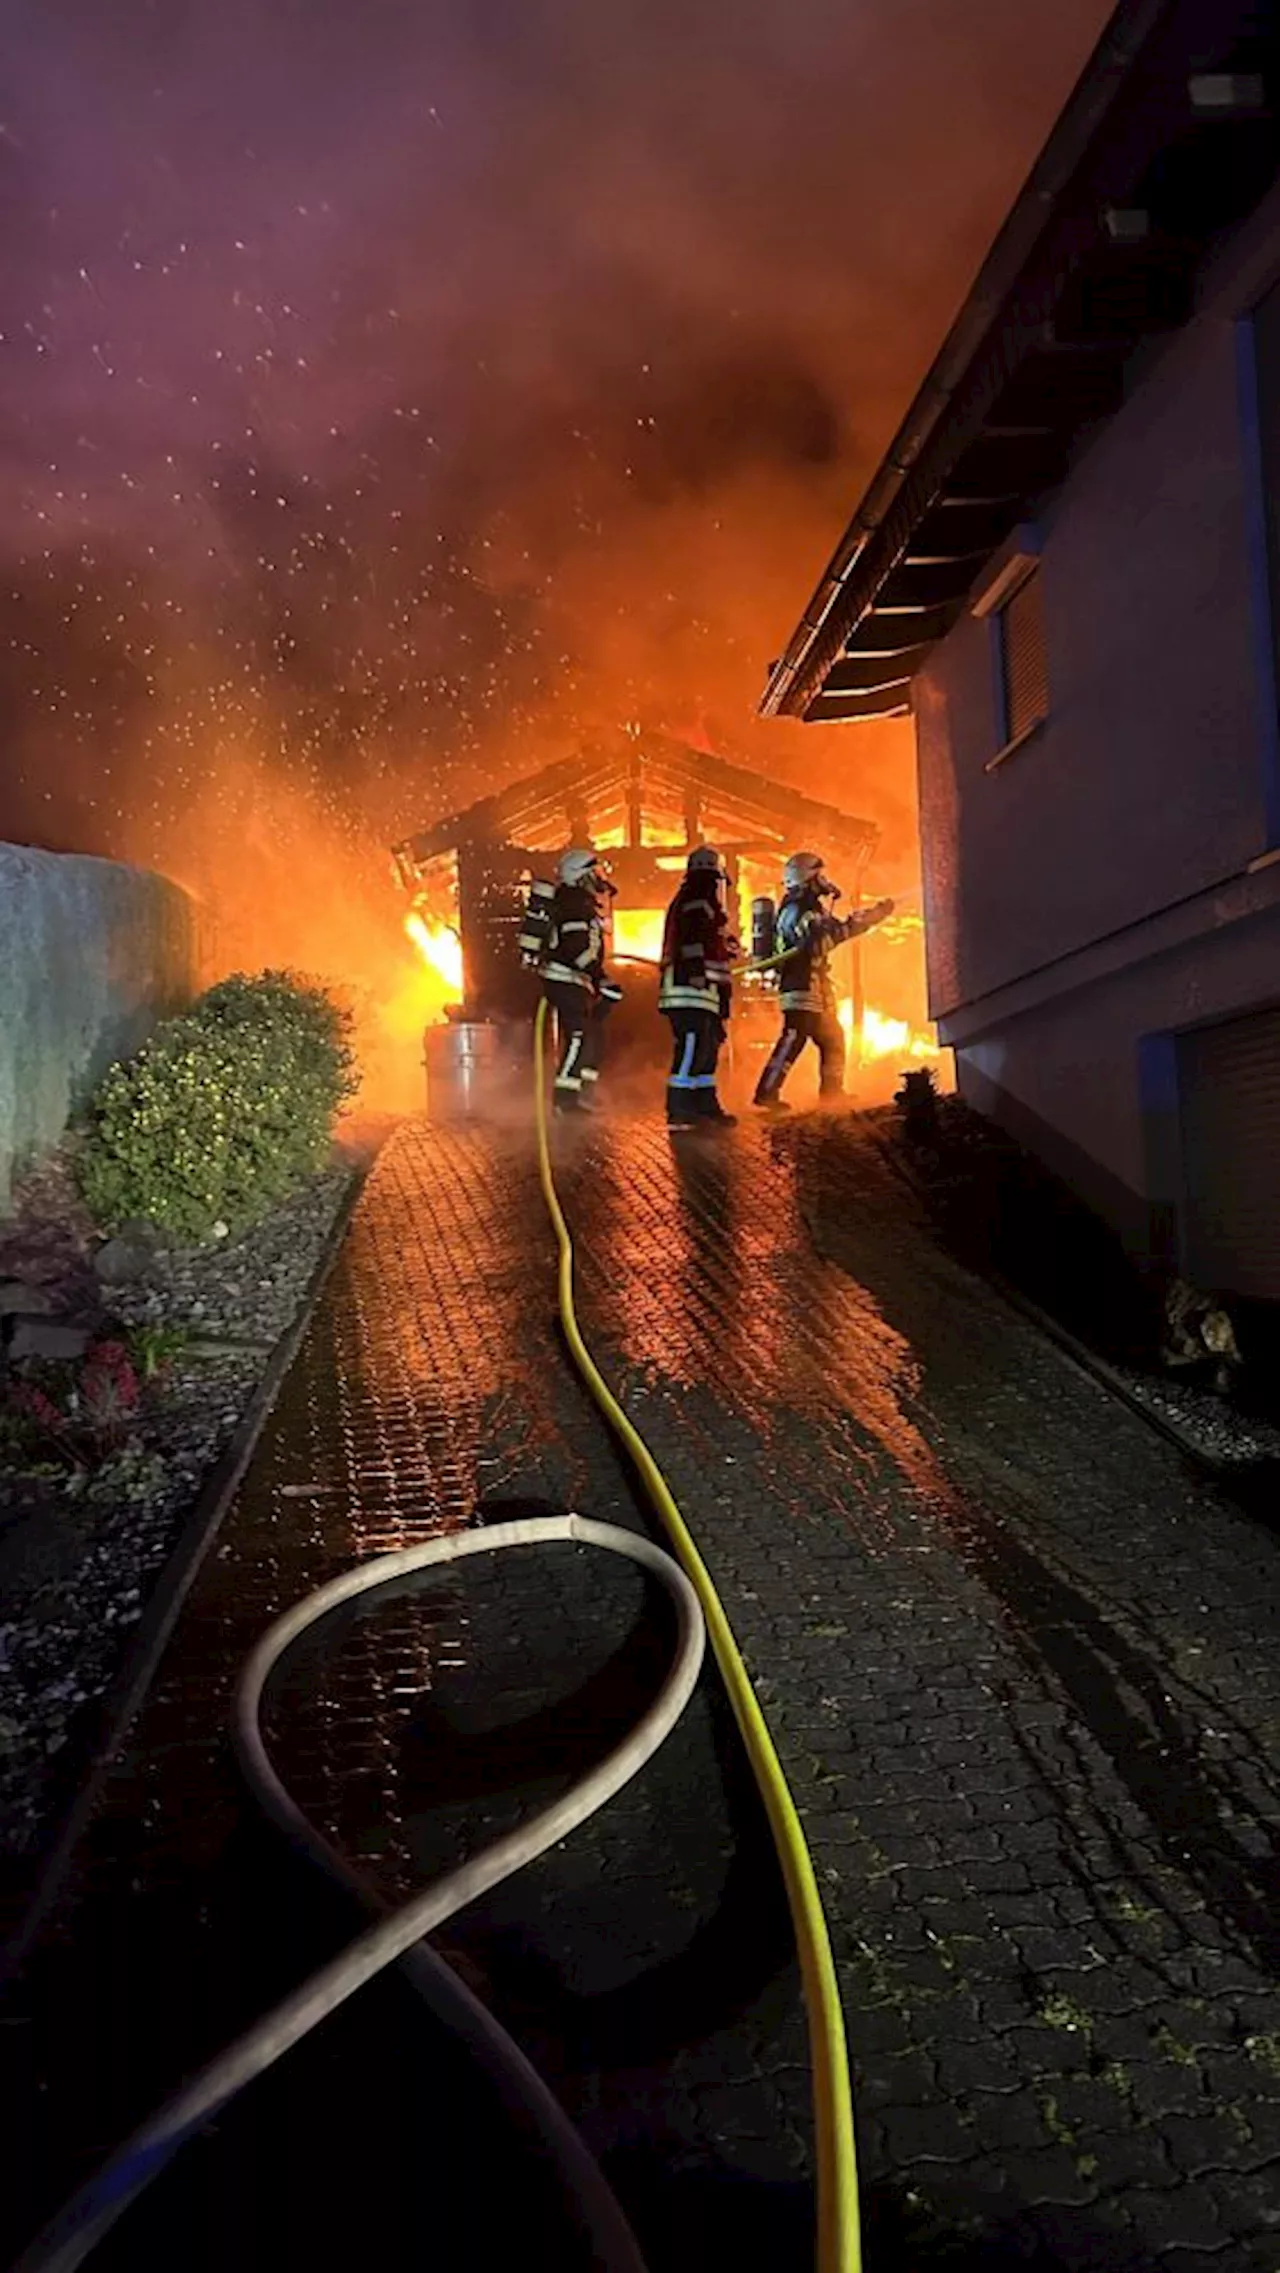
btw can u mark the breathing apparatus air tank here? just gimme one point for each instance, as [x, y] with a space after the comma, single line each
[536, 923]
[764, 920]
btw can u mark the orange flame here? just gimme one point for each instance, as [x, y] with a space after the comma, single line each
[441, 951]
[638, 931]
[883, 1037]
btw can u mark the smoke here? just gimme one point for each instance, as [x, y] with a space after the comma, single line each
[393, 394]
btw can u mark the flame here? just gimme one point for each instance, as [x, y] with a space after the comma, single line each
[435, 981]
[883, 1037]
[638, 931]
[902, 925]
[441, 951]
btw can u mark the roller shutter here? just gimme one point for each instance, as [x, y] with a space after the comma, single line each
[1026, 671]
[1229, 1082]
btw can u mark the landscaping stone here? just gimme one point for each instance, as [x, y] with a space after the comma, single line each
[52, 1338]
[41, 1543]
[132, 1255]
[19, 1298]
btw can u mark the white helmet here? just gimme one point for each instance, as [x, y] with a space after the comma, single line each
[802, 871]
[579, 867]
[706, 860]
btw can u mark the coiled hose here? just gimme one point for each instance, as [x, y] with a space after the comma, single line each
[92, 2212]
[839, 2241]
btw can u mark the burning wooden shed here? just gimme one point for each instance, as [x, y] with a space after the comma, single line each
[645, 799]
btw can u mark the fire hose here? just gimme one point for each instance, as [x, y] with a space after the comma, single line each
[398, 1935]
[748, 969]
[839, 2247]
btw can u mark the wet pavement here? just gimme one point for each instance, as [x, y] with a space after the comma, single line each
[1022, 1666]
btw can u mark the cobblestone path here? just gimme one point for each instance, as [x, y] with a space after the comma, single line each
[1022, 1665]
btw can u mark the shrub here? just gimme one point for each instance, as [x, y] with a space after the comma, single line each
[223, 1112]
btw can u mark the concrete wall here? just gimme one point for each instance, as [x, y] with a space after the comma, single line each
[91, 954]
[1147, 782]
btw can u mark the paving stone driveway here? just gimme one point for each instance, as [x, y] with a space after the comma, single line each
[1022, 1665]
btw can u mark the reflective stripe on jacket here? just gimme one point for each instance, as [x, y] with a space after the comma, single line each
[575, 948]
[695, 952]
[805, 981]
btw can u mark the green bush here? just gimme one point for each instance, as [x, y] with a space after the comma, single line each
[223, 1112]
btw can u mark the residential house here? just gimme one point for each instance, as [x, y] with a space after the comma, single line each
[1067, 571]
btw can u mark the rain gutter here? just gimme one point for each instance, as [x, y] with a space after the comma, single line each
[824, 624]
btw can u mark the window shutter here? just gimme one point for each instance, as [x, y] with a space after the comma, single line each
[1022, 647]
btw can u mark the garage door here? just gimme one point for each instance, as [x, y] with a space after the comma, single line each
[1229, 1083]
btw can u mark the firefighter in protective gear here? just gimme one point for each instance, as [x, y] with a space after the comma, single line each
[808, 925]
[697, 952]
[574, 980]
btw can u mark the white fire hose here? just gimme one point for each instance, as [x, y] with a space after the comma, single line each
[94, 2210]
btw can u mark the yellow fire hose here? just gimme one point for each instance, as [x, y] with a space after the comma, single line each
[740, 970]
[839, 2245]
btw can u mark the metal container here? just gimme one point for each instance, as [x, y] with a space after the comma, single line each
[763, 919]
[476, 1069]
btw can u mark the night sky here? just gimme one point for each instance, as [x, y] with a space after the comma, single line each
[393, 391]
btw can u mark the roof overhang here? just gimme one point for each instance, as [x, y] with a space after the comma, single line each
[1170, 140]
[632, 785]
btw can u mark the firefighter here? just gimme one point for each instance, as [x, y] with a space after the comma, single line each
[806, 922]
[573, 977]
[696, 988]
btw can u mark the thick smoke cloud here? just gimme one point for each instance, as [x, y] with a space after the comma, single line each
[394, 391]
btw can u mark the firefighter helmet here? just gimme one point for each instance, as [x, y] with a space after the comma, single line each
[704, 860]
[580, 866]
[803, 871]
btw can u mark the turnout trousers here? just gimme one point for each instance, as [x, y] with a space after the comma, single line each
[821, 1027]
[579, 1016]
[696, 1040]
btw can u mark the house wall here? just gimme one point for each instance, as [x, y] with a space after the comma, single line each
[1106, 885]
[1087, 1079]
[1148, 781]
[92, 954]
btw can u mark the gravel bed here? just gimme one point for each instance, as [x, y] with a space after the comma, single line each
[1217, 1428]
[77, 1567]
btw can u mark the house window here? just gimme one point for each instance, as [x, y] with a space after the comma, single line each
[1024, 675]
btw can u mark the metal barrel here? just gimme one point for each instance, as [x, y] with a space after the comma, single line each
[475, 1068]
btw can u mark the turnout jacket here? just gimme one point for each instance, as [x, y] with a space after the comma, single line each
[804, 981]
[696, 950]
[575, 948]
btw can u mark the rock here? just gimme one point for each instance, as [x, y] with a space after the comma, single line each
[48, 1337]
[129, 1256]
[40, 1545]
[17, 1299]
